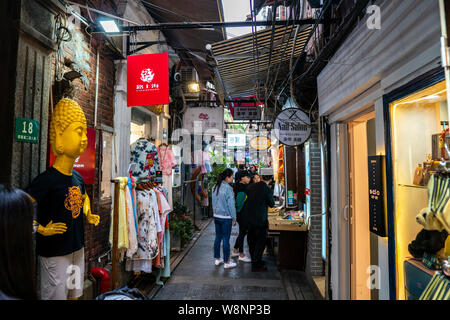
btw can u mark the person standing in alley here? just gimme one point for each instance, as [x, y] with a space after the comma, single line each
[259, 199]
[224, 216]
[237, 176]
[17, 267]
[255, 178]
[240, 193]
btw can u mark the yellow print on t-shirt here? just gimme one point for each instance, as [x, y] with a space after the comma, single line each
[74, 201]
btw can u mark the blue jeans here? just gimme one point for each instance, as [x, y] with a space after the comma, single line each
[223, 233]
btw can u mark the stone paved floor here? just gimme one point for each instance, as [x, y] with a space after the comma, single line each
[197, 278]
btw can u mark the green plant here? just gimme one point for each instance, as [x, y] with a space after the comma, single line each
[180, 223]
[180, 210]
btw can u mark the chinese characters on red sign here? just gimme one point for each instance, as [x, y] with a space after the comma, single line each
[148, 79]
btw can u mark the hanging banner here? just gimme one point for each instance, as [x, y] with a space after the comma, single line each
[260, 143]
[148, 79]
[84, 164]
[292, 127]
[205, 118]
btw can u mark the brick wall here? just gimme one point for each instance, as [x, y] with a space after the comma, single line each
[314, 262]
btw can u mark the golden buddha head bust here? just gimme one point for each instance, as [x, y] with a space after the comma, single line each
[68, 129]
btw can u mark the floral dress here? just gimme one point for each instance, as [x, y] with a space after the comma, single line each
[145, 155]
[149, 226]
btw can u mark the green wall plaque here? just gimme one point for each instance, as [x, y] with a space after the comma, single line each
[27, 130]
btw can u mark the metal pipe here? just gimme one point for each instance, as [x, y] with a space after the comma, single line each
[96, 89]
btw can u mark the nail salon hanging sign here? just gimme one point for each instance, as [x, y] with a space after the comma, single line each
[292, 127]
[148, 79]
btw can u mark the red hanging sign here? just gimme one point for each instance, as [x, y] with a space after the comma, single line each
[84, 164]
[148, 79]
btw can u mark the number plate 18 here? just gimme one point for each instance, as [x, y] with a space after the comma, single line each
[27, 130]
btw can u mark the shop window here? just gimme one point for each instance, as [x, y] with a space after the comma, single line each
[417, 121]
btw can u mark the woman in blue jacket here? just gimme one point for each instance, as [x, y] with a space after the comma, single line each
[224, 216]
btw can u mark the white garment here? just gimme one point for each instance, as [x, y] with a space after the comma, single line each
[149, 226]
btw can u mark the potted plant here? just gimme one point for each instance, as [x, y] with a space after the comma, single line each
[180, 225]
[187, 227]
[176, 229]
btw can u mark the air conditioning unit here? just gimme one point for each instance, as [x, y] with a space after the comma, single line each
[189, 83]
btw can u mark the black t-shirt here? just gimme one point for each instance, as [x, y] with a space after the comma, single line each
[59, 199]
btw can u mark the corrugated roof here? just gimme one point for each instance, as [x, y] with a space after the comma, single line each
[240, 67]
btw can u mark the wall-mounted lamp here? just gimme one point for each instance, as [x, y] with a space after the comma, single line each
[109, 26]
[194, 87]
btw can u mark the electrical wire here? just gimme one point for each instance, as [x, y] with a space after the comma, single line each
[320, 16]
[62, 34]
[280, 63]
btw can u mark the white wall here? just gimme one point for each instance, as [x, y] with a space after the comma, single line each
[407, 45]
[369, 64]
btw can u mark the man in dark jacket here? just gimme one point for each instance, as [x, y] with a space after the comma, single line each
[259, 199]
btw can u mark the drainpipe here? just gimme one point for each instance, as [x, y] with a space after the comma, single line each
[96, 88]
[102, 275]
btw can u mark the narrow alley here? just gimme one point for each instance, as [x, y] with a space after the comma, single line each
[197, 278]
[137, 135]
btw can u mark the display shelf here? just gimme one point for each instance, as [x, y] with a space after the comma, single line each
[412, 186]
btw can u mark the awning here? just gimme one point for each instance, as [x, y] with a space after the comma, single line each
[239, 70]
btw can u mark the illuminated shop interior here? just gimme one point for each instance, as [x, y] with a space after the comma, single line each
[414, 120]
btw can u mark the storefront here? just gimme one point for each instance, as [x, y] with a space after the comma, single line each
[383, 95]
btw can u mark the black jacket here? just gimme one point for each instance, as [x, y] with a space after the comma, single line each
[259, 199]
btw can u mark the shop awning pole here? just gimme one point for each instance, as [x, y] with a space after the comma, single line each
[114, 284]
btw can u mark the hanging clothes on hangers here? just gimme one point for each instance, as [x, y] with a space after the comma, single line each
[133, 198]
[131, 222]
[167, 162]
[145, 155]
[166, 158]
[149, 226]
[123, 241]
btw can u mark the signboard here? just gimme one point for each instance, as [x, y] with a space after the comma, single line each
[290, 195]
[292, 127]
[236, 140]
[260, 143]
[376, 196]
[84, 164]
[27, 130]
[247, 113]
[148, 79]
[208, 118]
